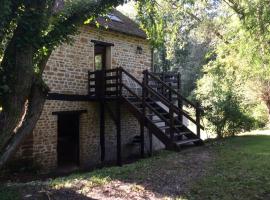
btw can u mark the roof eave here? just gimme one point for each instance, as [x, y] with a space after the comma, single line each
[118, 31]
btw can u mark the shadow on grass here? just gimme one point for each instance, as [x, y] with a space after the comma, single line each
[167, 174]
[42, 193]
[197, 173]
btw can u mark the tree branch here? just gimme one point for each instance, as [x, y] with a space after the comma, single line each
[193, 16]
[236, 7]
[66, 26]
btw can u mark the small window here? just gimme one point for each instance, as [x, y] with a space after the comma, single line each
[98, 61]
[102, 56]
[114, 18]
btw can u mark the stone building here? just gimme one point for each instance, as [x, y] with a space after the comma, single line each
[90, 119]
[67, 132]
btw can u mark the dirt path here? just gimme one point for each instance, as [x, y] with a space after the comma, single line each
[165, 177]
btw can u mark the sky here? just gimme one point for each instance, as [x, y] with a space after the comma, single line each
[128, 9]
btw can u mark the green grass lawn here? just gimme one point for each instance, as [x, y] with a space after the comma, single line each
[233, 168]
[241, 170]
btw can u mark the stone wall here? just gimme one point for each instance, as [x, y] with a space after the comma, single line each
[66, 73]
[67, 68]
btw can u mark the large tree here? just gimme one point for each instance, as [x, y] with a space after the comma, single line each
[246, 52]
[237, 33]
[235, 88]
[29, 31]
[182, 32]
[250, 45]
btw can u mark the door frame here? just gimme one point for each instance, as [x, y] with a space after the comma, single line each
[76, 113]
[100, 50]
[108, 50]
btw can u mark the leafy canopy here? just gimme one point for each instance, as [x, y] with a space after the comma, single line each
[40, 25]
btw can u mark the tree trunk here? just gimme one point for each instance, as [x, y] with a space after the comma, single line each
[22, 57]
[266, 95]
[23, 106]
[18, 70]
[268, 106]
[34, 109]
[19, 89]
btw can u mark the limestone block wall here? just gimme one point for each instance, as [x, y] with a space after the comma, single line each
[129, 128]
[67, 68]
[66, 73]
[45, 135]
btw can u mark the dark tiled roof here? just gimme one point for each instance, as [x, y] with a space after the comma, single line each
[125, 25]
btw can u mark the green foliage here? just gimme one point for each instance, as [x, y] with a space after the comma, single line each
[220, 93]
[33, 29]
[184, 39]
[258, 112]
[29, 32]
[151, 21]
[236, 82]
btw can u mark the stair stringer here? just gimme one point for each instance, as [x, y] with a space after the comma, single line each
[192, 135]
[152, 127]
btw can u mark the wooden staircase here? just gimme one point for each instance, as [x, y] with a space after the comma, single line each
[155, 101]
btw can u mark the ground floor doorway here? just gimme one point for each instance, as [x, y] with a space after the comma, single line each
[68, 140]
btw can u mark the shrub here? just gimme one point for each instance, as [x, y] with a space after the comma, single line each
[221, 93]
[260, 115]
[225, 116]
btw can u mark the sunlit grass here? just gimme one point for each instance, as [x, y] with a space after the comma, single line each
[265, 131]
[89, 181]
[241, 171]
[105, 175]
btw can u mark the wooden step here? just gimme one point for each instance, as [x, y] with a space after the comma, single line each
[185, 133]
[182, 142]
[160, 111]
[178, 126]
[139, 104]
[163, 127]
[153, 114]
[157, 121]
[179, 134]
